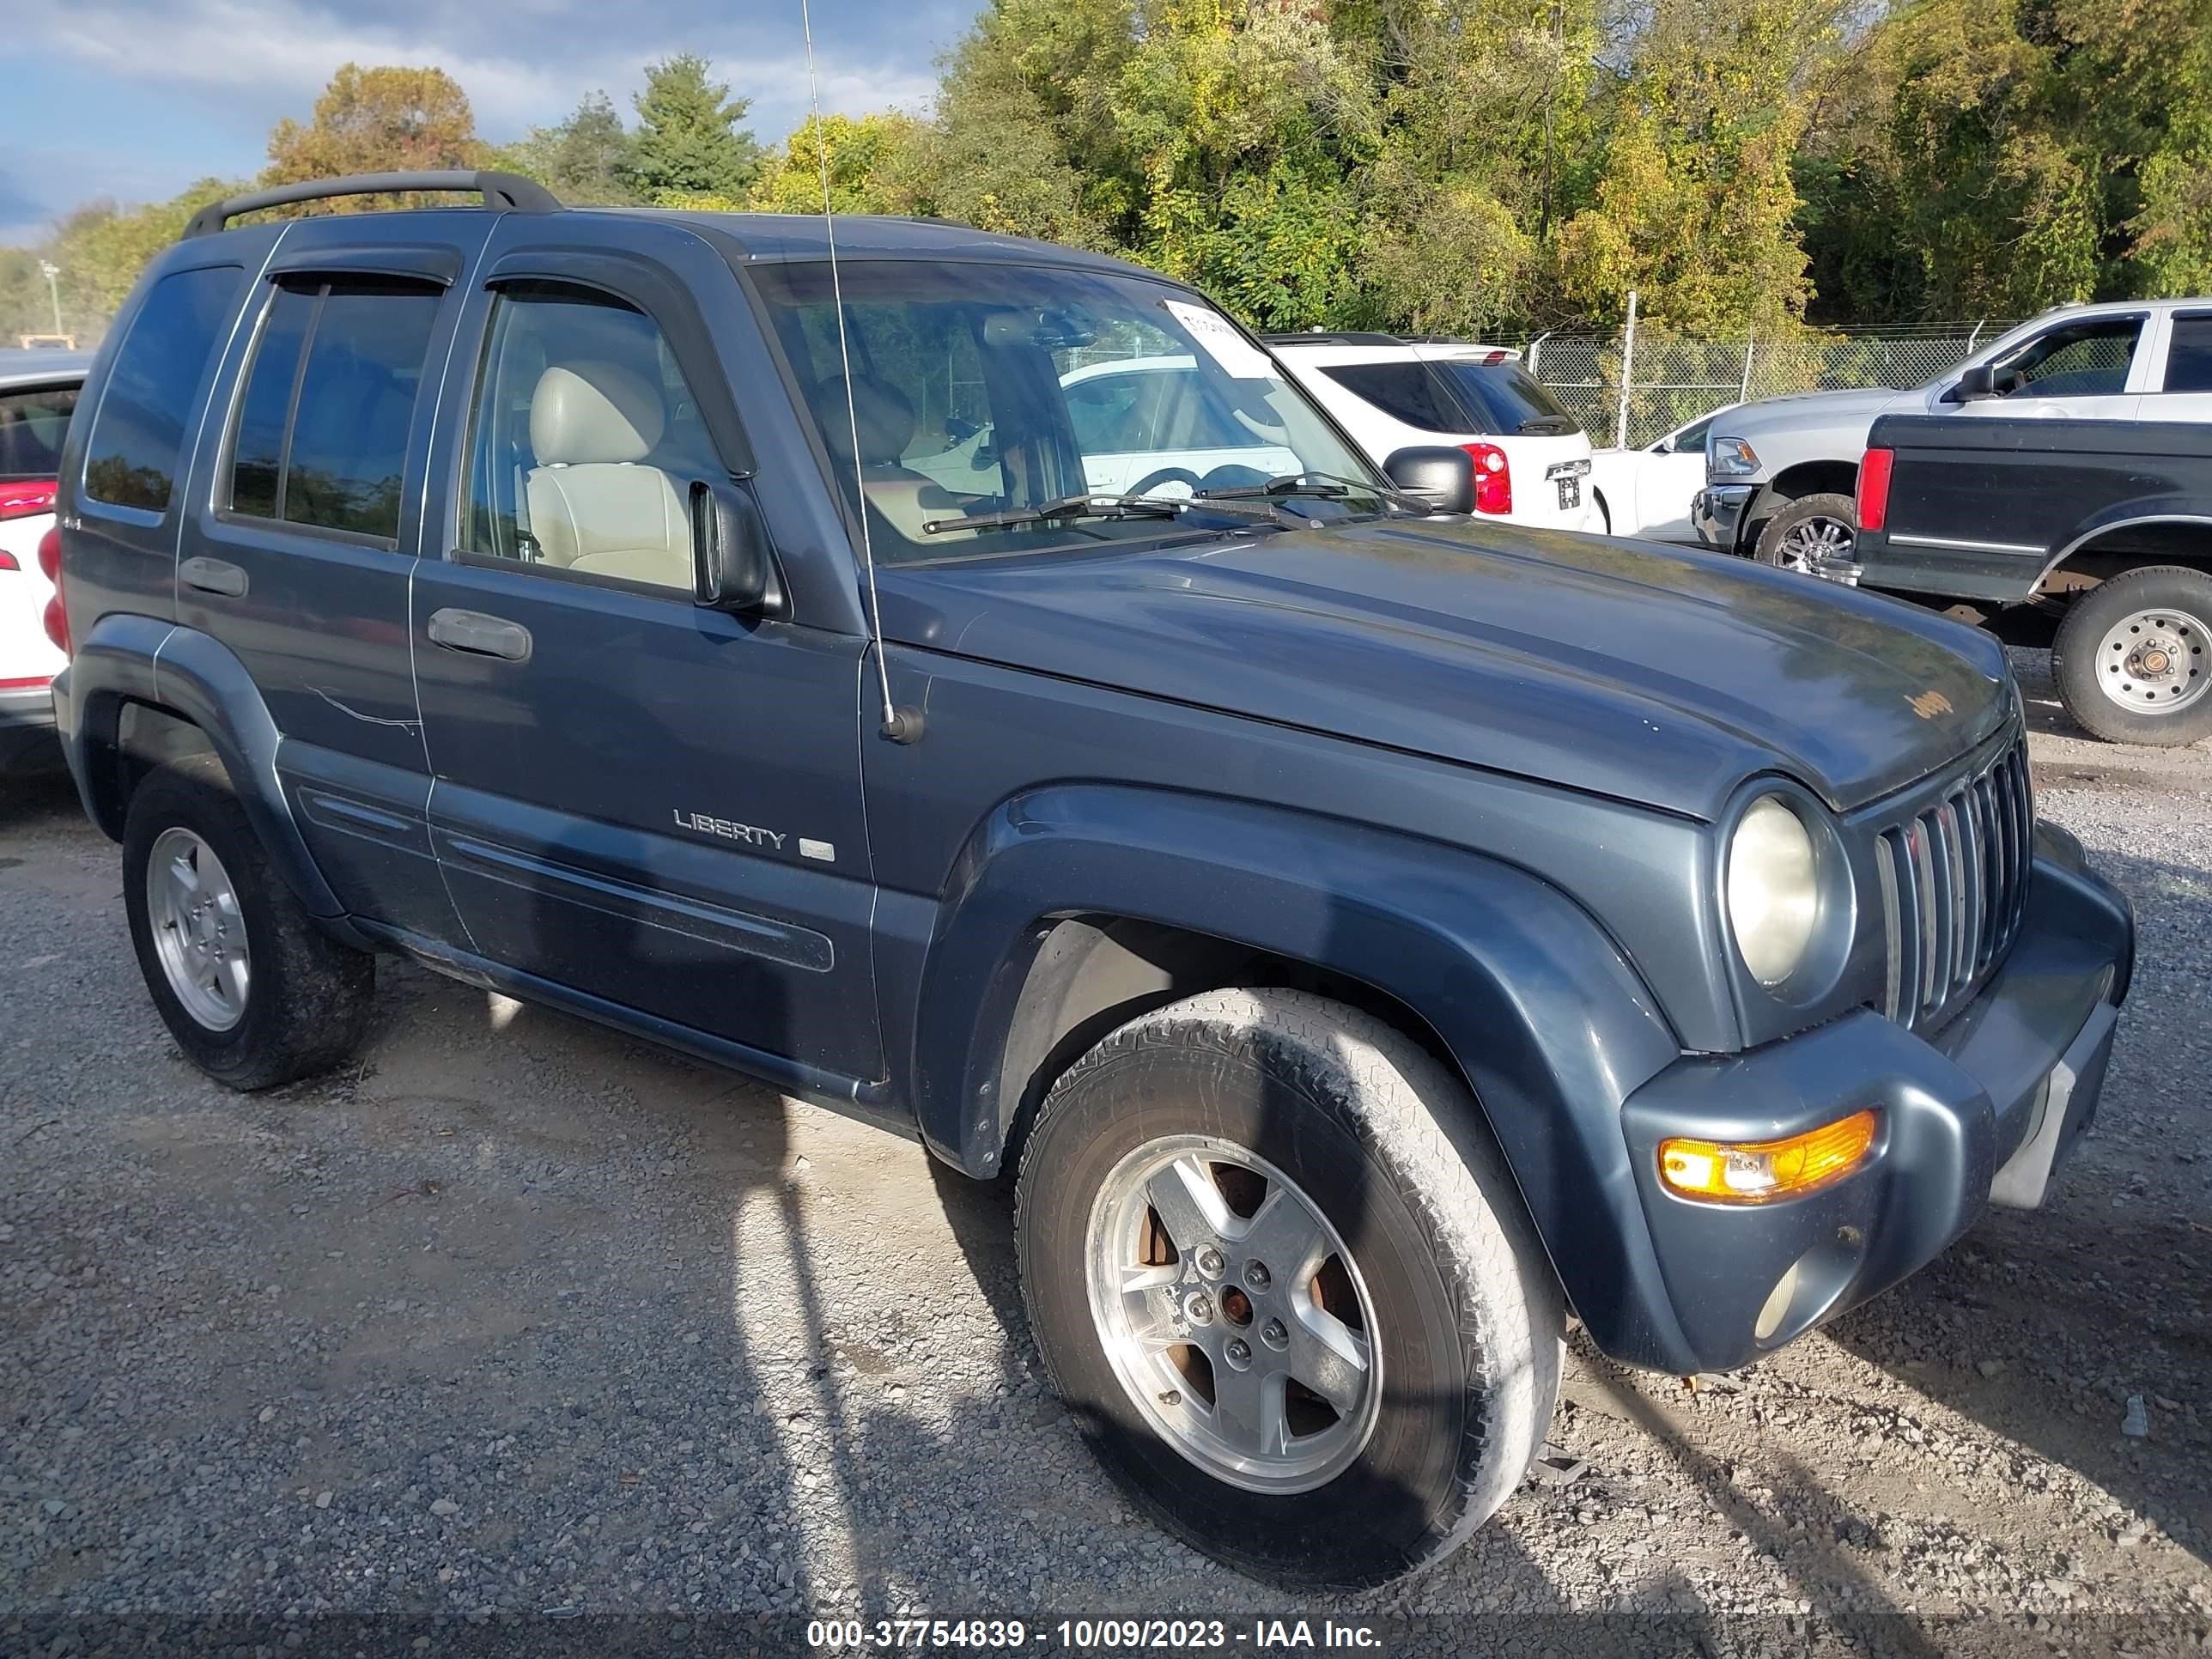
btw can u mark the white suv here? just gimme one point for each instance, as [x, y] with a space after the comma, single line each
[1532, 458]
[37, 391]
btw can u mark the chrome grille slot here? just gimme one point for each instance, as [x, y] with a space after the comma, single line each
[1954, 880]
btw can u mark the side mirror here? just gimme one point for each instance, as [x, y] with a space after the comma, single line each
[732, 568]
[1436, 473]
[1978, 381]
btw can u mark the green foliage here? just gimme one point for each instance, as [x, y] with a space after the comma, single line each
[1458, 167]
[689, 141]
[1994, 157]
[586, 160]
[863, 153]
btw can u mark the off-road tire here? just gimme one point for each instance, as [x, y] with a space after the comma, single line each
[309, 1000]
[1768, 549]
[2074, 653]
[1391, 1149]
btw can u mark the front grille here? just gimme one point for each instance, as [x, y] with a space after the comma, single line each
[1954, 883]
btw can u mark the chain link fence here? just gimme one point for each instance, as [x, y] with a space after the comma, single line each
[1671, 382]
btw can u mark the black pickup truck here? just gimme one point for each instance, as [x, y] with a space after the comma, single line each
[2093, 536]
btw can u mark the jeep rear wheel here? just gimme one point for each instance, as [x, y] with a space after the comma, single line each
[2133, 657]
[254, 993]
[1281, 1277]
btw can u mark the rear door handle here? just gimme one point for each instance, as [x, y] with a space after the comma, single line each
[213, 576]
[480, 635]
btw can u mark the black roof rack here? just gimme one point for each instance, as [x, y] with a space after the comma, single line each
[509, 190]
[1332, 336]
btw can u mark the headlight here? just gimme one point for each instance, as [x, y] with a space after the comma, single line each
[1773, 889]
[1731, 457]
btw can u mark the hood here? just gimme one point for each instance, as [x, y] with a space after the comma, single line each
[1661, 676]
[1803, 406]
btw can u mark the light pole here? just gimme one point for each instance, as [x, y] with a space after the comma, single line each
[52, 272]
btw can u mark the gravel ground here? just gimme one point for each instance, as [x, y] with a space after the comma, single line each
[517, 1315]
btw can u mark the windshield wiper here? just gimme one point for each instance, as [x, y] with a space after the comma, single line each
[1326, 486]
[1076, 507]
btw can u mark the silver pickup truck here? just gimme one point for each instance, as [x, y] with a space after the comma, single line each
[1780, 472]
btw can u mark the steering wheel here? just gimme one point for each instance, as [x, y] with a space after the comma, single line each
[1151, 481]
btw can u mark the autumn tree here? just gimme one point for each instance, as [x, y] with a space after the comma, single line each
[382, 119]
[866, 158]
[688, 142]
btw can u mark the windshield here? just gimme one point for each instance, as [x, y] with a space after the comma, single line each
[992, 389]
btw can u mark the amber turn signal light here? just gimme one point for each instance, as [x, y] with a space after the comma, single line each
[1759, 1171]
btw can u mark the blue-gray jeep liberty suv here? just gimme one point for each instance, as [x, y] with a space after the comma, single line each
[1372, 934]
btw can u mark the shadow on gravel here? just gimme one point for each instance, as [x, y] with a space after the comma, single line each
[2103, 1293]
[39, 801]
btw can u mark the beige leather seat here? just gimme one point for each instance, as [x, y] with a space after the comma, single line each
[593, 507]
[907, 498]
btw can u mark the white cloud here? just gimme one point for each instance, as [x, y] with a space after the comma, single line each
[284, 55]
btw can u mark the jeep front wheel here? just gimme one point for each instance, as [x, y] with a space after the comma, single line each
[1809, 533]
[254, 993]
[1281, 1277]
[2133, 657]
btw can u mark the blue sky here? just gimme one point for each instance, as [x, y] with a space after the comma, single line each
[135, 98]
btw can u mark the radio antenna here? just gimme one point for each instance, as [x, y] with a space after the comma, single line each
[899, 725]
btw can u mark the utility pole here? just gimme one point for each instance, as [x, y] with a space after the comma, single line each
[1627, 375]
[52, 273]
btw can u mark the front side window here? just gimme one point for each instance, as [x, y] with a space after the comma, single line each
[32, 426]
[584, 442]
[994, 388]
[137, 437]
[2083, 360]
[2189, 355]
[321, 438]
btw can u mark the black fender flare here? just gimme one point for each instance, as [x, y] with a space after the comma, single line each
[127, 658]
[2195, 510]
[1530, 995]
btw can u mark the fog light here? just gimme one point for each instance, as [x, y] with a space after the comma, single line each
[1777, 1302]
[1758, 1171]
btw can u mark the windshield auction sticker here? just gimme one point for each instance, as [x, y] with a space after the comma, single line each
[1220, 341]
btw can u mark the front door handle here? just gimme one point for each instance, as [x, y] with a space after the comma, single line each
[480, 635]
[213, 576]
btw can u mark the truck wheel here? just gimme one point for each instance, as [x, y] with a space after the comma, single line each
[2133, 657]
[1283, 1281]
[253, 993]
[1809, 531]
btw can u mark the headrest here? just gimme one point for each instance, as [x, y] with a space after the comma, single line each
[885, 416]
[583, 414]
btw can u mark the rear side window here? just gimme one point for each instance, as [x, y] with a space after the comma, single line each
[1505, 398]
[138, 437]
[322, 428]
[1404, 392]
[2189, 358]
[32, 425]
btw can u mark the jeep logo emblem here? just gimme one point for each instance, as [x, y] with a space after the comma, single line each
[1928, 704]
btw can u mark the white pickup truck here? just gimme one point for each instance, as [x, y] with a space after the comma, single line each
[1780, 472]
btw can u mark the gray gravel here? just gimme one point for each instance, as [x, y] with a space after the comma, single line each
[516, 1315]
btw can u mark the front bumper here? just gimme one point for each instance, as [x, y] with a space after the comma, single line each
[1717, 513]
[1980, 1111]
[26, 729]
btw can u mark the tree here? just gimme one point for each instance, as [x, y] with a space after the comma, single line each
[688, 142]
[1694, 201]
[868, 165]
[381, 119]
[586, 160]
